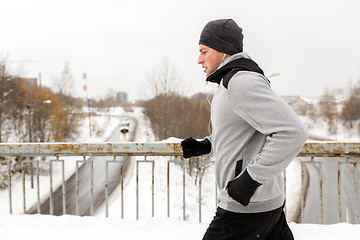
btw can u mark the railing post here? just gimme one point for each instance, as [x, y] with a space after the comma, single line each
[153, 187]
[91, 187]
[354, 165]
[51, 188]
[339, 189]
[77, 210]
[107, 188]
[184, 206]
[23, 181]
[122, 189]
[168, 188]
[312, 161]
[23, 185]
[38, 186]
[302, 211]
[32, 173]
[321, 194]
[284, 174]
[107, 185]
[216, 193]
[137, 190]
[356, 189]
[200, 179]
[9, 183]
[63, 185]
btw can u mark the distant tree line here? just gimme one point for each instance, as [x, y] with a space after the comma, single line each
[170, 113]
[173, 115]
[107, 102]
[35, 114]
[350, 111]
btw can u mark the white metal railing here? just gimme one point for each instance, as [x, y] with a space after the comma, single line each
[313, 153]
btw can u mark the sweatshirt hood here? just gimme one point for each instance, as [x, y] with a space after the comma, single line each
[240, 61]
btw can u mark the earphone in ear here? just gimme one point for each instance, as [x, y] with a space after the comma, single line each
[223, 58]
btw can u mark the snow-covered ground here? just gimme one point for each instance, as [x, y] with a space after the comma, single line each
[44, 227]
[20, 226]
[339, 132]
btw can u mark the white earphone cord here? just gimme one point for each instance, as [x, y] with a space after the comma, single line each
[208, 95]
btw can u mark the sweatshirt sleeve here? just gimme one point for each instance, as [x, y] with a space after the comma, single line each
[210, 140]
[253, 100]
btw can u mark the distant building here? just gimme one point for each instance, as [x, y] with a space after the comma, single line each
[338, 92]
[122, 97]
[300, 106]
[305, 106]
[33, 82]
[339, 106]
[339, 95]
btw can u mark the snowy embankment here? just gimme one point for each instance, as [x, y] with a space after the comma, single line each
[160, 227]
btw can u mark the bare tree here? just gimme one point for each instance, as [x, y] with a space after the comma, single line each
[64, 88]
[65, 83]
[351, 111]
[163, 79]
[163, 82]
[6, 89]
[327, 108]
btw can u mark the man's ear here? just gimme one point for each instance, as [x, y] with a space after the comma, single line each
[225, 56]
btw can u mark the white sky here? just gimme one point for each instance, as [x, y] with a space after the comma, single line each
[312, 44]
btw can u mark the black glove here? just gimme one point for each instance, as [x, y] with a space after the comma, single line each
[242, 188]
[192, 147]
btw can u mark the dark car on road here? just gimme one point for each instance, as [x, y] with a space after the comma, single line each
[124, 126]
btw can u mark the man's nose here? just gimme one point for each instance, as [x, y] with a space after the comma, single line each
[200, 60]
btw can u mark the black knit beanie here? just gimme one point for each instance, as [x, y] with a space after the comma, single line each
[223, 35]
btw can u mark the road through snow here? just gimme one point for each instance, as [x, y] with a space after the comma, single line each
[84, 181]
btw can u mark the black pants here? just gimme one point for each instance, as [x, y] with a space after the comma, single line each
[247, 226]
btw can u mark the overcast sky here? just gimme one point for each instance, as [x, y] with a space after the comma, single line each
[313, 44]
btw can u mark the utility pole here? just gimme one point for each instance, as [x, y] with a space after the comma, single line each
[40, 79]
[29, 119]
[89, 116]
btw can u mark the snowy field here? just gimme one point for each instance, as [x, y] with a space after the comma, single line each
[20, 226]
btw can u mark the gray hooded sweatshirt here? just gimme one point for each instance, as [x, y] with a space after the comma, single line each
[254, 129]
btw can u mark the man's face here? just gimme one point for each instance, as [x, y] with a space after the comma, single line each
[209, 58]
